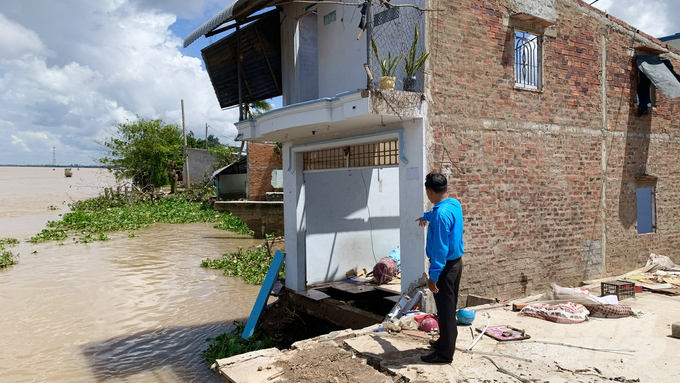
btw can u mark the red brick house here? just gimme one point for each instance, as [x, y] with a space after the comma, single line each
[263, 159]
[561, 151]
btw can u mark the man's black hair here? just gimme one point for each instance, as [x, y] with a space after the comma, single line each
[436, 182]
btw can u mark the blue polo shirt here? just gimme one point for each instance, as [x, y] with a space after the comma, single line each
[444, 235]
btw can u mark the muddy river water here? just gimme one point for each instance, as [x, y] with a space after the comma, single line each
[132, 309]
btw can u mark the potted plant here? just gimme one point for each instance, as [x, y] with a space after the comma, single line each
[387, 68]
[413, 64]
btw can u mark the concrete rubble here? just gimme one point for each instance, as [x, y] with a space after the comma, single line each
[600, 350]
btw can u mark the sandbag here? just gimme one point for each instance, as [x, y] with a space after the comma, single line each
[384, 270]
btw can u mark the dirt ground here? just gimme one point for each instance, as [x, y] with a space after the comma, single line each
[600, 350]
[325, 362]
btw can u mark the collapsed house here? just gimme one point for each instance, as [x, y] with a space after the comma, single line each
[555, 123]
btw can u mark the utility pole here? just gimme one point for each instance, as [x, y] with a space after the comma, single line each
[206, 136]
[186, 156]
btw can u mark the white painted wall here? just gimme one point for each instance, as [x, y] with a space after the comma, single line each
[299, 55]
[341, 55]
[352, 220]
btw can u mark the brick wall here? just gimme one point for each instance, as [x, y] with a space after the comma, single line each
[530, 167]
[262, 160]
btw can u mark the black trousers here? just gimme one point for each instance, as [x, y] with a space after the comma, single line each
[447, 301]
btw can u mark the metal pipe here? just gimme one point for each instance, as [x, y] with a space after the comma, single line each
[238, 69]
[369, 37]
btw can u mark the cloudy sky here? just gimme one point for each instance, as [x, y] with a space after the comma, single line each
[71, 69]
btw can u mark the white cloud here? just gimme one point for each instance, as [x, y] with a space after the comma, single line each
[654, 17]
[74, 68]
[183, 8]
[17, 41]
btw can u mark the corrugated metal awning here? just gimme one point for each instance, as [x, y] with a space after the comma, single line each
[238, 167]
[660, 71]
[259, 62]
[237, 10]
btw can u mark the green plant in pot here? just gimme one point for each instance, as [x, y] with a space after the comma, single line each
[414, 64]
[387, 67]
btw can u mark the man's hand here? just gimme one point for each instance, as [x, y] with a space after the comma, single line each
[432, 285]
[420, 221]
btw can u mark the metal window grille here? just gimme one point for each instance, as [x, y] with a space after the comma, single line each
[355, 156]
[329, 18]
[527, 60]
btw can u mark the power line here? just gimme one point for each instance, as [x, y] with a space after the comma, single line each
[221, 134]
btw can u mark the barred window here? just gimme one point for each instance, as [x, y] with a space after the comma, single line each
[355, 156]
[528, 62]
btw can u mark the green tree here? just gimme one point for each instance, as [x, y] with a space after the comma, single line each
[256, 108]
[199, 143]
[140, 150]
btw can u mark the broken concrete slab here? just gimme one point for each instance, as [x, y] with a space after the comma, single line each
[334, 311]
[314, 294]
[253, 367]
[399, 355]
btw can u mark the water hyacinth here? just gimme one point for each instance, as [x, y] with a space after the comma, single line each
[89, 220]
[8, 258]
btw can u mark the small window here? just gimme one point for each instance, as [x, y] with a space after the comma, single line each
[528, 60]
[329, 18]
[646, 210]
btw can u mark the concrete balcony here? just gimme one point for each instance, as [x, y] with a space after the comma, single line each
[337, 116]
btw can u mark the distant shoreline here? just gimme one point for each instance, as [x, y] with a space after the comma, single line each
[52, 166]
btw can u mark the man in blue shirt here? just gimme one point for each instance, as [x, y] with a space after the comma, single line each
[444, 248]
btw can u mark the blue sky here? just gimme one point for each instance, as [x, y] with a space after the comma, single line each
[71, 69]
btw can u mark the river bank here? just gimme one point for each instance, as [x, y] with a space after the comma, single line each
[134, 308]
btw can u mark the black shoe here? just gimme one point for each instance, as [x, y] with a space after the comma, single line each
[433, 343]
[434, 358]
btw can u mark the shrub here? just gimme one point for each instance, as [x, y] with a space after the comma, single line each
[232, 343]
[8, 258]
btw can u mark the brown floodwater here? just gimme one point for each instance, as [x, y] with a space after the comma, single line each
[132, 309]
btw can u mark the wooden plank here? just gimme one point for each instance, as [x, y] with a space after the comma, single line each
[653, 286]
[262, 297]
[672, 291]
[417, 334]
[622, 276]
[392, 288]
